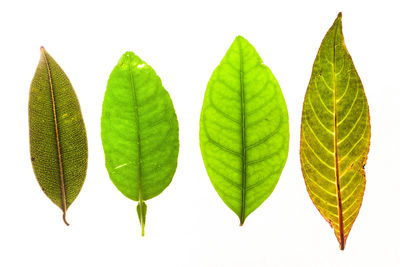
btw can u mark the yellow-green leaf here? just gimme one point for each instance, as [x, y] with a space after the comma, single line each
[57, 134]
[335, 135]
[244, 129]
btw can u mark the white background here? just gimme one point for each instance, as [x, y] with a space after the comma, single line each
[188, 224]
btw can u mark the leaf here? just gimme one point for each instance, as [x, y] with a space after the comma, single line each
[244, 129]
[335, 135]
[139, 130]
[58, 142]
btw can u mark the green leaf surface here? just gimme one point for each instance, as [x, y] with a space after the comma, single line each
[244, 129]
[58, 142]
[335, 134]
[139, 131]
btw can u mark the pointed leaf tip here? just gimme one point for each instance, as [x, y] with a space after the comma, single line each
[241, 39]
[42, 50]
[338, 19]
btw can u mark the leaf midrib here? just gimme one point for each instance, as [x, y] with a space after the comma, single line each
[136, 114]
[139, 147]
[59, 155]
[243, 123]
[338, 192]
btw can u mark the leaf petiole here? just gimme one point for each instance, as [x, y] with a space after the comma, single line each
[141, 211]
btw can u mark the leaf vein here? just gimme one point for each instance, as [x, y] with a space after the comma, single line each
[227, 179]
[222, 112]
[263, 158]
[325, 83]
[312, 150]
[313, 167]
[325, 202]
[350, 180]
[351, 107]
[323, 189]
[320, 98]
[354, 126]
[319, 141]
[345, 91]
[260, 181]
[318, 119]
[352, 148]
[352, 193]
[266, 138]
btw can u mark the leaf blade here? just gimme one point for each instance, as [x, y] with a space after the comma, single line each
[239, 131]
[335, 114]
[58, 142]
[139, 131]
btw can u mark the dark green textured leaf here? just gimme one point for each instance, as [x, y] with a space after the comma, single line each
[139, 130]
[57, 134]
[335, 134]
[244, 129]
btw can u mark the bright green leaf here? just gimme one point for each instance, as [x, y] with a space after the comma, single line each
[244, 129]
[139, 130]
[57, 134]
[335, 134]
